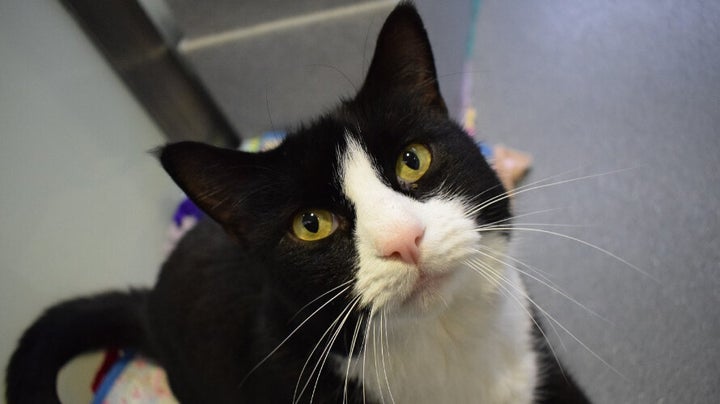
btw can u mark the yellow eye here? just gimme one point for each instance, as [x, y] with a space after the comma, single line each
[313, 224]
[413, 162]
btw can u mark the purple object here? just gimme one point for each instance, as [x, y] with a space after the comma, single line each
[185, 209]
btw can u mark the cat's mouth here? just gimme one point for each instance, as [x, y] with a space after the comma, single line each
[428, 285]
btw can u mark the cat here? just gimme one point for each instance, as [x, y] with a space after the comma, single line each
[356, 262]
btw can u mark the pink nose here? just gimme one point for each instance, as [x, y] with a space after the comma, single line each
[402, 243]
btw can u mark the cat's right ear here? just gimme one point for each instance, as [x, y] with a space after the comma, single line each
[216, 180]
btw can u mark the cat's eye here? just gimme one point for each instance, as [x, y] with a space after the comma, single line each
[413, 162]
[314, 224]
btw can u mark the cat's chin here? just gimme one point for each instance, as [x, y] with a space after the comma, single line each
[432, 295]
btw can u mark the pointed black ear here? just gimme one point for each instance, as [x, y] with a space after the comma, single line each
[217, 180]
[403, 61]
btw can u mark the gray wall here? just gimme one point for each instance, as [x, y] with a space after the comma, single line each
[83, 207]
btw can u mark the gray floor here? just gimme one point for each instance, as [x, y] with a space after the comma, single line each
[595, 87]
[626, 93]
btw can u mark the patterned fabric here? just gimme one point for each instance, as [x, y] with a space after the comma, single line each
[134, 380]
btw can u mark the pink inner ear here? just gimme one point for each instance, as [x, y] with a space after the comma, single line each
[401, 242]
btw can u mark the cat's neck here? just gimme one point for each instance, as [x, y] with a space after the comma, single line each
[475, 351]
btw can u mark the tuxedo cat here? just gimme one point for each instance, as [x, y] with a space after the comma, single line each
[360, 261]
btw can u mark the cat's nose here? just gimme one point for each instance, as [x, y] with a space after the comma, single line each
[402, 243]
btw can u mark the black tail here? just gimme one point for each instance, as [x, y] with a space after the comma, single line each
[113, 319]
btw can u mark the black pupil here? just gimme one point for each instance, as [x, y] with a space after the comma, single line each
[310, 222]
[411, 160]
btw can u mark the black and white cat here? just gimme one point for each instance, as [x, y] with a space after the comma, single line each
[356, 262]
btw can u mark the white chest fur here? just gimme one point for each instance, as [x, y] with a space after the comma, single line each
[475, 352]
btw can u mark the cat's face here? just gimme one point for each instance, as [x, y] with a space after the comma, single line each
[376, 200]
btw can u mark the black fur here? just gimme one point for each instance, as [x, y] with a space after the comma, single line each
[114, 319]
[237, 286]
[556, 385]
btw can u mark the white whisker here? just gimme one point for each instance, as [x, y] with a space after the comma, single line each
[478, 267]
[319, 297]
[593, 353]
[527, 188]
[383, 319]
[550, 285]
[509, 220]
[291, 334]
[493, 227]
[365, 343]
[578, 240]
[377, 374]
[546, 276]
[297, 396]
[350, 355]
[326, 354]
[509, 191]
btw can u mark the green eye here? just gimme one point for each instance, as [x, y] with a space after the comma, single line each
[313, 224]
[413, 162]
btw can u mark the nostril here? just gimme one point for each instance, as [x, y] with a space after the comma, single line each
[409, 255]
[419, 238]
[404, 247]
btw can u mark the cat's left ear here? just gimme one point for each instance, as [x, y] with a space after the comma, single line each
[403, 61]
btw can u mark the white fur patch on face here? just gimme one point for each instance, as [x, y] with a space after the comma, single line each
[440, 329]
[411, 253]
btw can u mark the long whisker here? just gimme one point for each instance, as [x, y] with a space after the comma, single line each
[575, 226]
[365, 344]
[546, 276]
[552, 287]
[315, 347]
[350, 355]
[540, 181]
[593, 353]
[383, 319]
[514, 217]
[318, 298]
[480, 269]
[297, 396]
[326, 354]
[578, 240]
[498, 276]
[524, 294]
[527, 188]
[377, 374]
[263, 360]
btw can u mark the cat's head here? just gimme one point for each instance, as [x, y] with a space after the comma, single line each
[381, 198]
